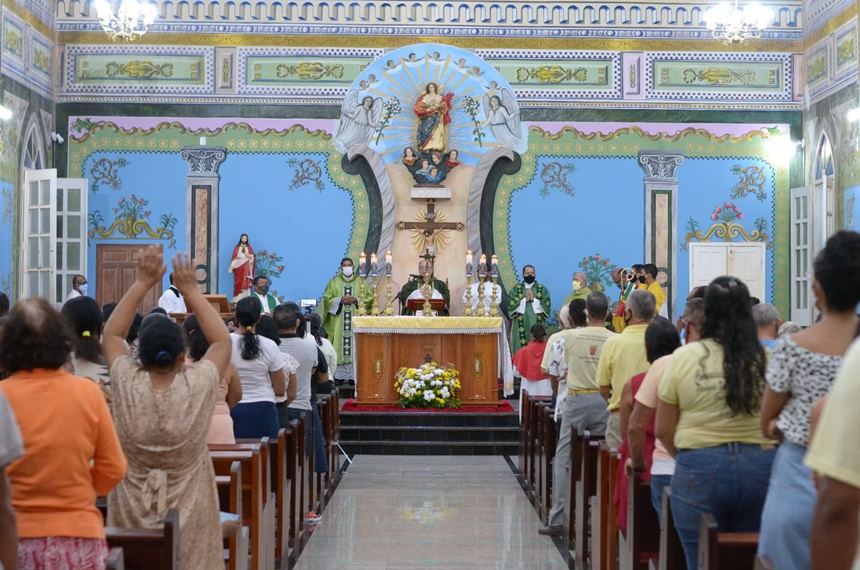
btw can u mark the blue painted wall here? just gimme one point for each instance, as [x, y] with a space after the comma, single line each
[7, 210]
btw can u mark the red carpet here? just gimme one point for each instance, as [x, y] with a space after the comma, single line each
[503, 407]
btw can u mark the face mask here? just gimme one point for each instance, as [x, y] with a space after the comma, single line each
[529, 279]
[347, 271]
[576, 286]
[641, 279]
[83, 288]
[264, 289]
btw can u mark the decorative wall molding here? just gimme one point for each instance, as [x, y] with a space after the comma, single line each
[832, 62]
[28, 56]
[204, 161]
[464, 18]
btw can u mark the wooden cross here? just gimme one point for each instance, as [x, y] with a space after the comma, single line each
[430, 226]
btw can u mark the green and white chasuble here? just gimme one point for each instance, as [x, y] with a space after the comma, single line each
[337, 318]
[524, 314]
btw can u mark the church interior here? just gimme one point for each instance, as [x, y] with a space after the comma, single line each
[570, 137]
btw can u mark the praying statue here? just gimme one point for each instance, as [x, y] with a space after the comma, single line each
[242, 267]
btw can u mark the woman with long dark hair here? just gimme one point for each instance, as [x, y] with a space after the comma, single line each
[261, 371]
[163, 409]
[802, 369]
[708, 419]
[87, 321]
[266, 327]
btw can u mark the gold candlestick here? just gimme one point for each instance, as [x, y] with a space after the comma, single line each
[494, 308]
[482, 310]
[468, 311]
[374, 309]
[389, 309]
[362, 309]
[427, 292]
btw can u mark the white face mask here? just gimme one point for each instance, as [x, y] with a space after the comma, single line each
[83, 288]
[347, 271]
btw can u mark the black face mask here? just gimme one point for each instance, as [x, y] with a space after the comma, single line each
[529, 279]
[641, 279]
[264, 289]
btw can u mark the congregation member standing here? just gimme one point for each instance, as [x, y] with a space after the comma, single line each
[162, 411]
[583, 408]
[801, 370]
[266, 327]
[79, 287]
[648, 277]
[261, 371]
[343, 293]
[708, 419]
[624, 357]
[87, 321]
[11, 448]
[528, 304]
[71, 449]
[527, 361]
[229, 390]
[767, 321]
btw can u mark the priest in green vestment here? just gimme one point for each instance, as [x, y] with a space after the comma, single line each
[440, 289]
[580, 288]
[528, 304]
[340, 302]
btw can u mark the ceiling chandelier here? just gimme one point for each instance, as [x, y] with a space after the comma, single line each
[129, 23]
[735, 26]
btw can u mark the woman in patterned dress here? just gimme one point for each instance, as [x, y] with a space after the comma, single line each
[162, 410]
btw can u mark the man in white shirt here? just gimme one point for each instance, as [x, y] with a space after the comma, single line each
[79, 287]
[171, 301]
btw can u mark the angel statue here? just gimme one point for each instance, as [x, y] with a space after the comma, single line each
[503, 118]
[357, 121]
[432, 109]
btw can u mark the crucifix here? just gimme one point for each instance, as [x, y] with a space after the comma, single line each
[429, 233]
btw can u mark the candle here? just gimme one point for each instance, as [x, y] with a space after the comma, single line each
[469, 263]
[482, 265]
[373, 264]
[362, 264]
[388, 259]
[494, 266]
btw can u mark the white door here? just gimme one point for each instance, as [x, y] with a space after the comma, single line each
[802, 235]
[707, 262]
[38, 228]
[746, 261]
[71, 236]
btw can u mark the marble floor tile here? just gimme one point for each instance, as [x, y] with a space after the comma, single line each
[429, 512]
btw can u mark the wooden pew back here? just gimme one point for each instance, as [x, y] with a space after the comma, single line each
[643, 529]
[725, 550]
[145, 549]
[671, 549]
[586, 488]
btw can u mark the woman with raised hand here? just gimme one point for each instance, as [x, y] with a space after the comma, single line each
[162, 411]
[71, 449]
[802, 370]
[261, 370]
[708, 419]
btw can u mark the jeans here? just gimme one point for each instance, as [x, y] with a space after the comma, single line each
[786, 522]
[658, 482]
[314, 441]
[255, 420]
[583, 412]
[728, 481]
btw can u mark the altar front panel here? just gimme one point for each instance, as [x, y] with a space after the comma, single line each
[470, 345]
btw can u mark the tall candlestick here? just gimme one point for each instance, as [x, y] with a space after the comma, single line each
[362, 264]
[482, 266]
[388, 260]
[494, 266]
[373, 264]
[469, 258]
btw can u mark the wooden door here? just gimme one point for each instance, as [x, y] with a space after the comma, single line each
[116, 272]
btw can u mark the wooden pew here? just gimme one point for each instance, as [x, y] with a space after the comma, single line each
[576, 457]
[671, 549]
[230, 501]
[258, 513]
[725, 550]
[145, 549]
[586, 488]
[604, 530]
[115, 560]
[547, 440]
[523, 449]
[642, 542]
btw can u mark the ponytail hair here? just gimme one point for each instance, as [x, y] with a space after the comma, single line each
[248, 312]
[86, 319]
[316, 324]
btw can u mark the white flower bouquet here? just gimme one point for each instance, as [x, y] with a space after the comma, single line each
[428, 386]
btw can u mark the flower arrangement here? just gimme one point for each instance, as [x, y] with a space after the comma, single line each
[728, 212]
[427, 386]
[598, 270]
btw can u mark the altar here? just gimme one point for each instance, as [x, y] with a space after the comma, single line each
[475, 346]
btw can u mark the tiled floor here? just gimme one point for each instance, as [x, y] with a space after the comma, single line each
[429, 512]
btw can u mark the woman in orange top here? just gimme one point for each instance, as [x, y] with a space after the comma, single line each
[71, 449]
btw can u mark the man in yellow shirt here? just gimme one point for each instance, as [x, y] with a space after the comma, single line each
[649, 272]
[624, 357]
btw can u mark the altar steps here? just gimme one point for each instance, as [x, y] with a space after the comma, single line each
[429, 433]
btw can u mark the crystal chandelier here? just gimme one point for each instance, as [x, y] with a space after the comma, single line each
[129, 23]
[735, 26]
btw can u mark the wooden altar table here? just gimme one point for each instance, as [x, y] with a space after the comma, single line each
[475, 346]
